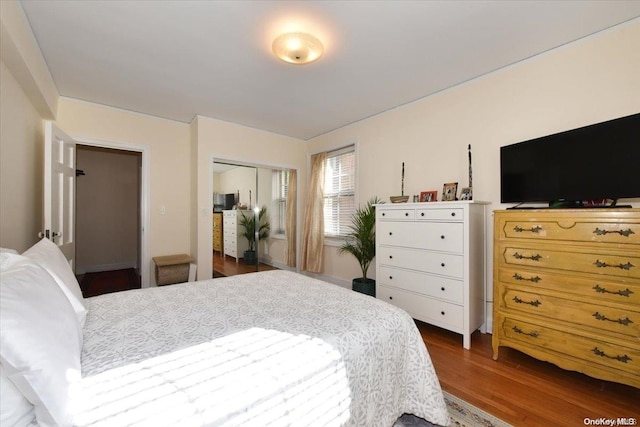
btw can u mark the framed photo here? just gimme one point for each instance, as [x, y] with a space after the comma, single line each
[428, 196]
[466, 193]
[449, 191]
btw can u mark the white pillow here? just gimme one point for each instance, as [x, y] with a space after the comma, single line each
[50, 257]
[8, 251]
[15, 409]
[39, 338]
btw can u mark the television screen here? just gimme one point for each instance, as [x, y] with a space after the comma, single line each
[600, 161]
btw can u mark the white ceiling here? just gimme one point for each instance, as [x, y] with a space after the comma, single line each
[177, 59]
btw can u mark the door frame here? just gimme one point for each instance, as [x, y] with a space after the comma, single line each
[145, 178]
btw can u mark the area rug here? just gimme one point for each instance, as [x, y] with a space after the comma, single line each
[461, 414]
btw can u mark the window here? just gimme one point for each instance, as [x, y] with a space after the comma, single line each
[339, 191]
[280, 186]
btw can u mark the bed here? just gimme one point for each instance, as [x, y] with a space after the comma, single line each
[273, 348]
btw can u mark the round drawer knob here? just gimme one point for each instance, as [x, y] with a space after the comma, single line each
[390, 233]
[406, 214]
[453, 214]
[442, 264]
[442, 312]
[390, 297]
[390, 277]
[390, 256]
[422, 214]
[442, 237]
[442, 288]
[383, 214]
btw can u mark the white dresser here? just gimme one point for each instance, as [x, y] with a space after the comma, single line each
[430, 261]
[234, 244]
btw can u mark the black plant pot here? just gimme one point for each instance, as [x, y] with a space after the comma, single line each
[250, 258]
[367, 287]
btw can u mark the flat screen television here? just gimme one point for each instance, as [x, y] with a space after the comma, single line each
[575, 167]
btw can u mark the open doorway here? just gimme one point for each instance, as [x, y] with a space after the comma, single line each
[108, 219]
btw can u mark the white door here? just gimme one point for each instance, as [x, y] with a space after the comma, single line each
[60, 190]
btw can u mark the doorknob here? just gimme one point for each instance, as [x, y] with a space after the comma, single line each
[43, 234]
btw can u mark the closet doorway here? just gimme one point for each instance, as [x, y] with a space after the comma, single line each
[108, 219]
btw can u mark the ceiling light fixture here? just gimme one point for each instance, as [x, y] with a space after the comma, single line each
[297, 48]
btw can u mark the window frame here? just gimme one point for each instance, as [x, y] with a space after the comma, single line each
[338, 240]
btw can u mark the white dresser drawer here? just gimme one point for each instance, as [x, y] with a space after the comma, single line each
[428, 284]
[416, 259]
[391, 214]
[436, 312]
[437, 236]
[444, 214]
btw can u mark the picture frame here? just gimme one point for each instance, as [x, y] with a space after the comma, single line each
[449, 191]
[428, 196]
[466, 193]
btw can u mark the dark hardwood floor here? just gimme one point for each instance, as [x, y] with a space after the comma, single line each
[227, 266]
[521, 390]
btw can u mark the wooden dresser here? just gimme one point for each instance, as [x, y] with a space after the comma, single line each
[430, 262]
[234, 244]
[217, 232]
[567, 289]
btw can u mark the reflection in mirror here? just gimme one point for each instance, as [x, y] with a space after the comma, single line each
[238, 190]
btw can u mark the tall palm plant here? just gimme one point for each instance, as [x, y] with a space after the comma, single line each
[249, 224]
[361, 240]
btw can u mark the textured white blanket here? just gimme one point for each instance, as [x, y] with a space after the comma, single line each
[263, 349]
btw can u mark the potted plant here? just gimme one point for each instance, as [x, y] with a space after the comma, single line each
[361, 243]
[249, 233]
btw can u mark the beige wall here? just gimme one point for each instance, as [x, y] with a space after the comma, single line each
[170, 174]
[107, 209]
[239, 180]
[21, 165]
[217, 139]
[589, 81]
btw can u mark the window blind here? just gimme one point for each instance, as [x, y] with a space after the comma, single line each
[339, 191]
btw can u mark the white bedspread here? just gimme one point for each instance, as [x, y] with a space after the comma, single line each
[265, 349]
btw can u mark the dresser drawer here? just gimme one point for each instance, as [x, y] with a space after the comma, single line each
[593, 351]
[572, 229]
[611, 263]
[391, 214]
[602, 317]
[598, 288]
[436, 312]
[415, 259]
[444, 214]
[427, 284]
[446, 237]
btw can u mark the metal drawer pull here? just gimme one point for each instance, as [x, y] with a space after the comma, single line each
[390, 256]
[536, 257]
[453, 214]
[442, 288]
[406, 214]
[625, 233]
[533, 303]
[621, 266]
[390, 297]
[442, 237]
[384, 214]
[533, 334]
[442, 312]
[390, 277]
[535, 229]
[534, 279]
[626, 321]
[391, 233]
[442, 264]
[626, 293]
[623, 359]
[422, 214]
